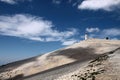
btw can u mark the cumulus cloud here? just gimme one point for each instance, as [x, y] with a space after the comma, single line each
[12, 1]
[107, 5]
[32, 28]
[90, 30]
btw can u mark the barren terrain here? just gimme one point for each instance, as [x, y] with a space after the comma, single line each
[94, 59]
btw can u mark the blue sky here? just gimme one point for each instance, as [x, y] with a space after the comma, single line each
[33, 27]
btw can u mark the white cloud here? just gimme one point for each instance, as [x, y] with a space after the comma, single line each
[92, 30]
[74, 4]
[111, 32]
[9, 1]
[107, 5]
[12, 1]
[56, 1]
[32, 28]
[69, 42]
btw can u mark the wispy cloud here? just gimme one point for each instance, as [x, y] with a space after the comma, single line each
[90, 30]
[69, 42]
[13, 1]
[56, 1]
[111, 32]
[33, 28]
[69, 1]
[9, 1]
[107, 5]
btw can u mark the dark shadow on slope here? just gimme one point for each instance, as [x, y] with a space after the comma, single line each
[85, 57]
[76, 53]
[79, 54]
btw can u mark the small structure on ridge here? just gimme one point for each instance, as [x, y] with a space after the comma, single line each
[86, 36]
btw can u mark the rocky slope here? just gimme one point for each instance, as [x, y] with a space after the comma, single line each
[94, 59]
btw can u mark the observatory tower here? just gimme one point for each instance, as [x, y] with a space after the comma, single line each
[86, 36]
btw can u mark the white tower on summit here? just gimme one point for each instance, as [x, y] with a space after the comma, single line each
[86, 36]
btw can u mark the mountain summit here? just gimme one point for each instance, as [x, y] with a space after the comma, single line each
[93, 59]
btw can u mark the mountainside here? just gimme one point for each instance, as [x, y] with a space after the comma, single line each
[94, 59]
